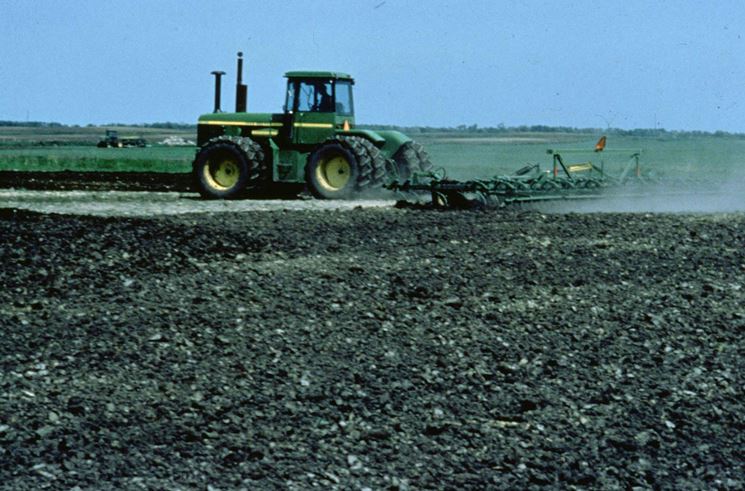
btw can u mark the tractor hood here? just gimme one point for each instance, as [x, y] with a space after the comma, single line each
[241, 119]
[235, 124]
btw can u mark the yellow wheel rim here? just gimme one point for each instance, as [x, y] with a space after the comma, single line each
[334, 172]
[223, 174]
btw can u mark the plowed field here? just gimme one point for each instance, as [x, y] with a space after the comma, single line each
[372, 349]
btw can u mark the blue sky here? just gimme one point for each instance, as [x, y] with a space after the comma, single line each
[628, 64]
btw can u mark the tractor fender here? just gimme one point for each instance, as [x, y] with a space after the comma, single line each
[373, 136]
[393, 141]
[388, 141]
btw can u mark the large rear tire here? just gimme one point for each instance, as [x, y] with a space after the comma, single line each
[228, 167]
[411, 157]
[343, 167]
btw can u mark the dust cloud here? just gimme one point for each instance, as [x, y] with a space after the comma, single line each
[720, 194]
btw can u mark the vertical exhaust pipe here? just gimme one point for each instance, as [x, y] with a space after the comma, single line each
[218, 75]
[241, 90]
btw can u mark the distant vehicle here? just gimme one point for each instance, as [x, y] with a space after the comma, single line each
[112, 140]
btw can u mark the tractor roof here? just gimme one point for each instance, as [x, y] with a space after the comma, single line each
[308, 74]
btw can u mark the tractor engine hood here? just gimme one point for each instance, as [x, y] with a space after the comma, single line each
[242, 119]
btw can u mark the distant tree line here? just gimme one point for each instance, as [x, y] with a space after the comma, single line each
[161, 126]
[33, 124]
[539, 128]
[44, 124]
[472, 129]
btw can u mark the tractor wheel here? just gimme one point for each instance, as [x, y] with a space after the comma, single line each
[226, 167]
[410, 158]
[344, 166]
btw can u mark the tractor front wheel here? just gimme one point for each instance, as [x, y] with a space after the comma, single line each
[227, 167]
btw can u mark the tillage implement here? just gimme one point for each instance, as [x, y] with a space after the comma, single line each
[564, 181]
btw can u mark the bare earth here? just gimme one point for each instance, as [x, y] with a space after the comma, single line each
[369, 348]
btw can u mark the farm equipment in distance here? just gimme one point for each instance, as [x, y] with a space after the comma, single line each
[112, 140]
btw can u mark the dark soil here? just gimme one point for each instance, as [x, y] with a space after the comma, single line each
[96, 181]
[379, 349]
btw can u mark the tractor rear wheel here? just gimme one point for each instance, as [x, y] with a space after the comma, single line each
[344, 166]
[226, 167]
[410, 158]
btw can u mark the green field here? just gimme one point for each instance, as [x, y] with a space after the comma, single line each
[74, 148]
[50, 134]
[696, 156]
[463, 155]
[90, 158]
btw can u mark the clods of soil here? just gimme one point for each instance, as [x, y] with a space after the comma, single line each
[372, 349]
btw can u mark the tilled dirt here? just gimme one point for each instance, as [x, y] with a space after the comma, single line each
[372, 349]
[95, 181]
[149, 204]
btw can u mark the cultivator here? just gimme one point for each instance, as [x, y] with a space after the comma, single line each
[576, 181]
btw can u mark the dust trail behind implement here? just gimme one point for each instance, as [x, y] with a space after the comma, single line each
[706, 197]
[662, 198]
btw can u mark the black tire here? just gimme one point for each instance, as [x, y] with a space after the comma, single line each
[411, 157]
[228, 167]
[377, 162]
[343, 167]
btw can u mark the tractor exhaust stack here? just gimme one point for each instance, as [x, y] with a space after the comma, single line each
[240, 88]
[218, 75]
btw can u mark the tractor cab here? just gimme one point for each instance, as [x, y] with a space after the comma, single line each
[317, 105]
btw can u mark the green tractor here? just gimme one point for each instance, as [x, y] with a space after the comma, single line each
[312, 145]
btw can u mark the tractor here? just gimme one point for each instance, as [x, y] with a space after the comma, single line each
[112, 140]
[313, 144]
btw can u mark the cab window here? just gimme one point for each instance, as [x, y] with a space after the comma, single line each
[290, 100]
[315, 96]
[344, 105]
